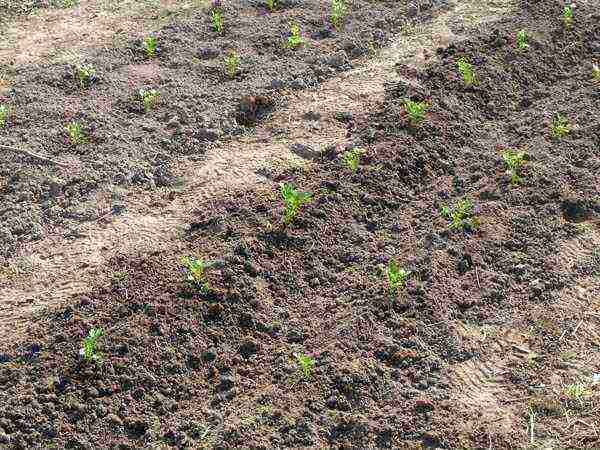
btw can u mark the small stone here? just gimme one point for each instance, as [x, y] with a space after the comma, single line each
[312, 115]
[92, 392]
[173, 122]
[209, 355]
[536, 287]
[227, 382]
[115, 420]
[343, 116]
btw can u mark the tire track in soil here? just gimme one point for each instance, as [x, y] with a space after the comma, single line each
[58, 268]
[478, 385]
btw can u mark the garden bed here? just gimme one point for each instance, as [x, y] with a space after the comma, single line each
[198, 103]
[492, 343]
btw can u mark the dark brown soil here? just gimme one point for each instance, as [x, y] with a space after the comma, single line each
[198, 103]
[218, 370]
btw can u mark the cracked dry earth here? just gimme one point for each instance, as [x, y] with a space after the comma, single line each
[495, 343]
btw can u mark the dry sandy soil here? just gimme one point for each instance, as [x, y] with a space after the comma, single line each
[492, 343]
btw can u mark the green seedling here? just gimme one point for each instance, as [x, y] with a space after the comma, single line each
[195, 273]
[271, 4]
[85, 76]
[351, 158]
[76, 133]
[90, 342]
[576, 391]
[149, 98]
[560, 126]
[64, 3]
[338, 11]
[294, 39]
[568, 15]
[4, 112]
[596, 71]
[465, 68]
[150, 45]
[305, 364]
[231, 63]
[459, 216]
[513, 161]
[292, 199]
[216, 19]
[396, 277]
[522, 40]
[415, 111]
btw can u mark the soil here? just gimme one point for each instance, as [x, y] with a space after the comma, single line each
[199, 102]
[480, 350]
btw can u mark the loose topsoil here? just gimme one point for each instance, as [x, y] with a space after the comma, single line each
[190, 370]
[198, 105]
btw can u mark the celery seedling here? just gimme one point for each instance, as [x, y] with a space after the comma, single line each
[292, 199]
[396, 277]
[150, 45]
[522, 40]
[149, 97]
[460, 215]
[305, 364]
[88, 351]
[76, 133]
[4, 111]
[270, 4]
[85, 76]
[351, 158]
[338, 10]
[513, 161]
[465, 68]
[560, 126]
[195, 273]
[576, 391]
[415, 110]
[216, 19]
[294, 39]
[568, 15]
[232, 62]
[596, 71]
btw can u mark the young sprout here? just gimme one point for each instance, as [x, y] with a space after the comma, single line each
[195, 273]
[292, 199]
[465, 68]
[294, 39]
[568, 15]
[271, 4]
[513, 161]
[396, 277]
[460, 215]
[216, 19]
[415, 110]
[231, 62]
[576, 391]
[351, 158]
[305, 364]
[88, 351]
[150, 45]
[149, 97]
[4, 112]
[85, 76]
[596, 71]
[76, 133]
[338, 10]
[560, 126]
[522, 40]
